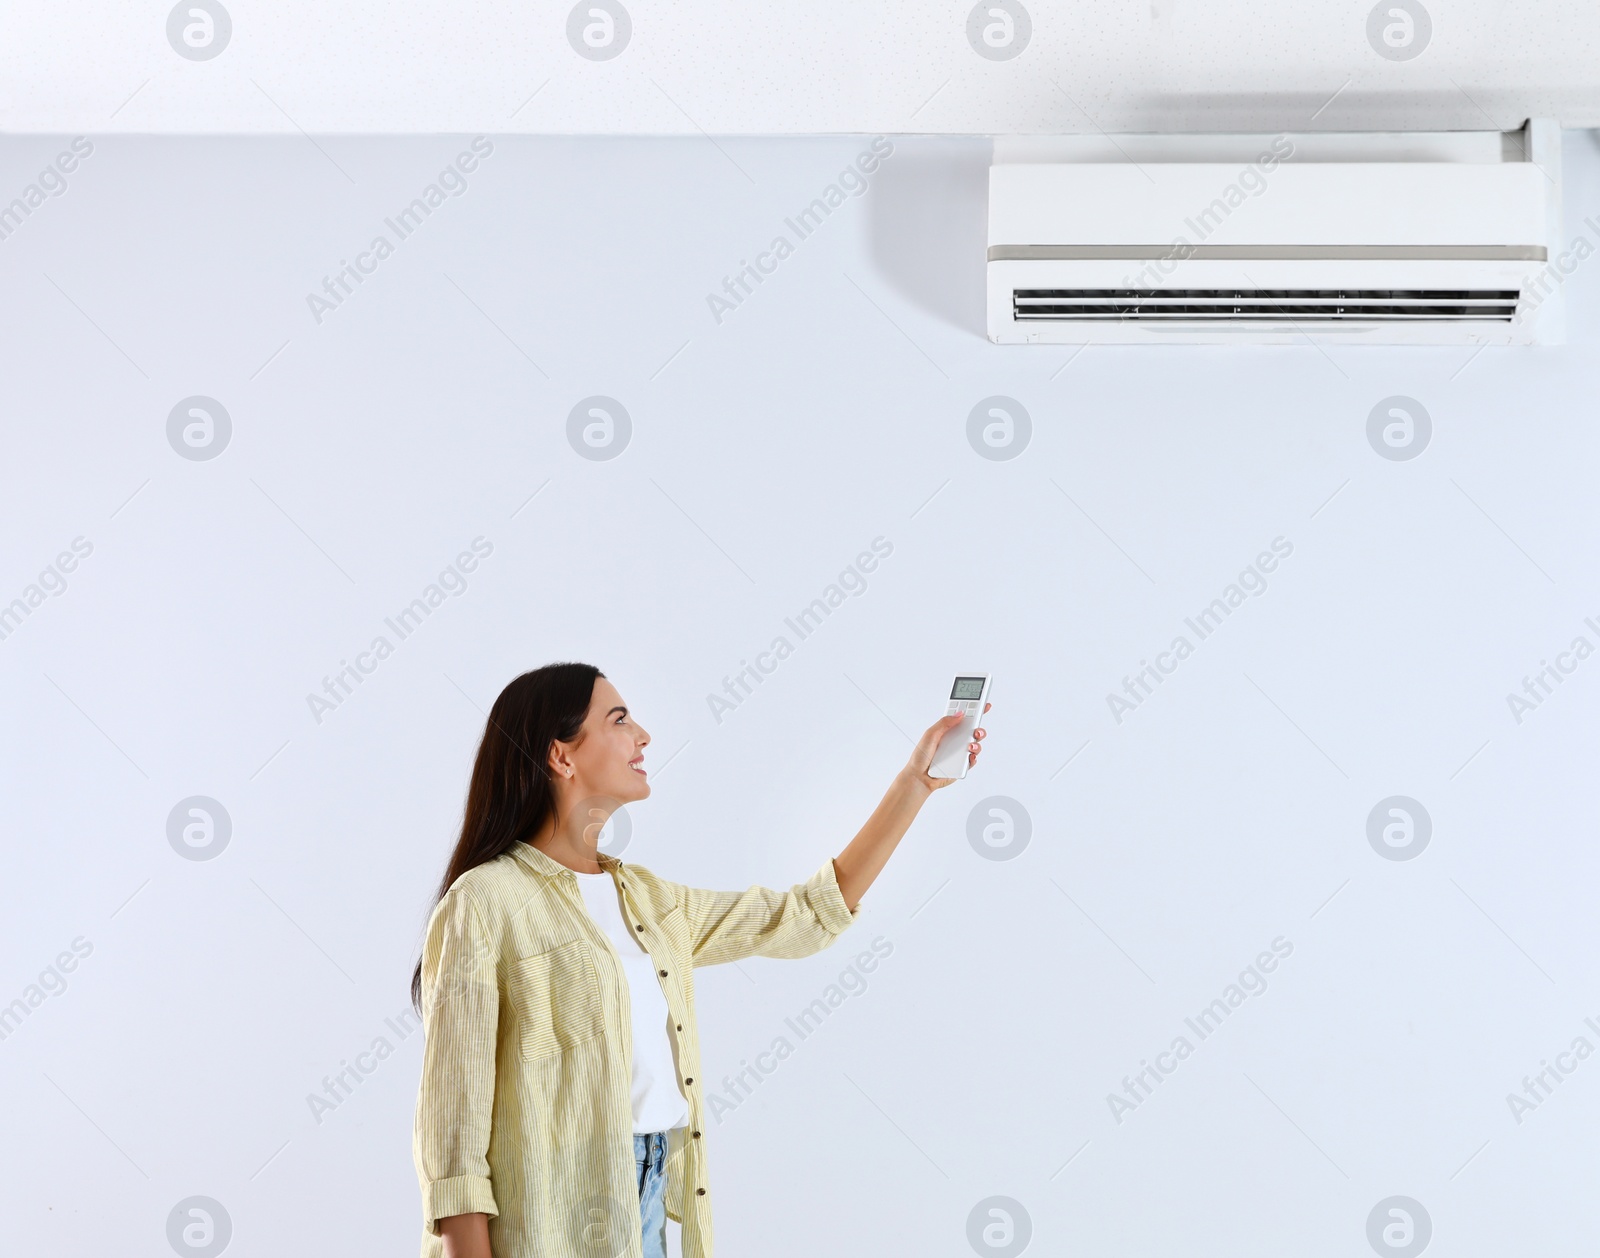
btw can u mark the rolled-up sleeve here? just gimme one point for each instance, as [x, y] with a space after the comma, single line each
[761, 922]
[455, 1100]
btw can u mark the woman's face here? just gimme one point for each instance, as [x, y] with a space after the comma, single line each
[609, 759]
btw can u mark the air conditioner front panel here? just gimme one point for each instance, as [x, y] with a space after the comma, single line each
[1330, 203]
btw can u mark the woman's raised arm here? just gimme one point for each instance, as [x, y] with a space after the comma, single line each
[860, 863]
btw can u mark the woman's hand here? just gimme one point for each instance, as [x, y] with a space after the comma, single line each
[922, 757]
[859, 864]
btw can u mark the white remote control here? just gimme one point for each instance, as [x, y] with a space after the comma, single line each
[967, 698]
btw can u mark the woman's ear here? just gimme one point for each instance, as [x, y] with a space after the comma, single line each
[560, 763]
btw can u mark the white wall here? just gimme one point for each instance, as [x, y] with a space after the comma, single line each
[1167, 851]
[735, 67]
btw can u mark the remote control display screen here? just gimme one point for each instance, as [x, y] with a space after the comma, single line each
[967, 688]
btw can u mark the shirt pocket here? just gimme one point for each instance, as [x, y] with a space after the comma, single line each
[674, 925]
[555, 996]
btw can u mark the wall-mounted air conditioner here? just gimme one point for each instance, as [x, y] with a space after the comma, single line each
[1441, 243]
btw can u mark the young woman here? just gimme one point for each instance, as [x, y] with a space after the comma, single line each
[556, 992]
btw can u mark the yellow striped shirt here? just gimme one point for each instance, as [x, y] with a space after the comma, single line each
[525, 1108]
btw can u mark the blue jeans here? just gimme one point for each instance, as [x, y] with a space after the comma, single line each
[650, 1158]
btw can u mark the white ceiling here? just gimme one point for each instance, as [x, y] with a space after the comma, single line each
[727, 67]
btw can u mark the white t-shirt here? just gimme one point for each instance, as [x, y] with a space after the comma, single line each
[658, 1102]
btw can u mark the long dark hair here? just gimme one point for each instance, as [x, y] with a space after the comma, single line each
[510, 795]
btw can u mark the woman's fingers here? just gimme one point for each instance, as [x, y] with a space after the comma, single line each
[978, 735]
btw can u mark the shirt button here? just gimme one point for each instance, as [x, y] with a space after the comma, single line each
[663, 974]
[638, 928]
[687, 1081]
[697, 1135]
[680, 1026]
[700, 1192]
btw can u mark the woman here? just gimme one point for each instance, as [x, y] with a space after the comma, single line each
[556, 992]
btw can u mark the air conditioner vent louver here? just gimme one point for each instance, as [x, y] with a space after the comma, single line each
[1263, 305]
